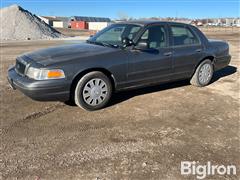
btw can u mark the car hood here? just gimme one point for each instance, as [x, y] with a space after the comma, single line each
[63, 53]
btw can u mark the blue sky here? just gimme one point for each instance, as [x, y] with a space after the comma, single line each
[132, 8]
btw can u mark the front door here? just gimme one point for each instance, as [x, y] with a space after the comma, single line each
[152, 63]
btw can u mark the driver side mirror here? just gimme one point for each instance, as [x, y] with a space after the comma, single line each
[141, 45]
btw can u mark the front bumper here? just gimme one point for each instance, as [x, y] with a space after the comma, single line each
[46, 90]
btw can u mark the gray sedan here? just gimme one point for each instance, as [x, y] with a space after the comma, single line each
[121, 56]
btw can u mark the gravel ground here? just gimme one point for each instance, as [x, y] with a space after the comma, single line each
[143, 134]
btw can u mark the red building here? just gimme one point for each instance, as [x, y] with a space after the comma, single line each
[81, 22]
[79, 25]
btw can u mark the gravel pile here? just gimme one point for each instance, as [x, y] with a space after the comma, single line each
[17, 23]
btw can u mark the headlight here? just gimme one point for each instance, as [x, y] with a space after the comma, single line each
[43, 74]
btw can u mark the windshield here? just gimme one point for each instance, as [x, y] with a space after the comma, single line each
[113, 34]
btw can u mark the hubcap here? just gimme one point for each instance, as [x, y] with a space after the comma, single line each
[95, 91]
[205, 74]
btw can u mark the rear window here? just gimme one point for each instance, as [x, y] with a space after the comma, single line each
[183, 36]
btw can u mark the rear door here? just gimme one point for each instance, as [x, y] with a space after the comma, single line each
[187, 50]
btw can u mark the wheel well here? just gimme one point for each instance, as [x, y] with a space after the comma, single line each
[211, 58]
[207, 57]
[81, 74]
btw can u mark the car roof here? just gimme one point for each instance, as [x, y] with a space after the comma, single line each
[149, 22]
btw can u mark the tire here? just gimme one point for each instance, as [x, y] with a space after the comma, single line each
[201, 79]
[93, 91]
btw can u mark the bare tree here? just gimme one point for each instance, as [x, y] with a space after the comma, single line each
[123, 16]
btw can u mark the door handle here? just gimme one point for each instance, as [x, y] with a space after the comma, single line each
[198, 50]
[167, 54]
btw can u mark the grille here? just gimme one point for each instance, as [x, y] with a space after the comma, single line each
[20, 67]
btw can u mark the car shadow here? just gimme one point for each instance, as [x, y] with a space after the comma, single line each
[125, 95]
[223, 72]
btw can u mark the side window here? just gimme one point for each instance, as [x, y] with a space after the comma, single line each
[134, 30]
[155, 37]
[183, 36]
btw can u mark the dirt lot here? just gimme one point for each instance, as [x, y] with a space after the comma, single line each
[75, 32]
[143, 134]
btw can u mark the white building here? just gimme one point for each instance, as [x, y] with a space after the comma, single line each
[58, 24]
[229, 21]
[97, 26]
[55, 21]
[47, 20]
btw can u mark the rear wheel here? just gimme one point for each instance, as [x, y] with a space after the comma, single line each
[203, 74]
[93, 91]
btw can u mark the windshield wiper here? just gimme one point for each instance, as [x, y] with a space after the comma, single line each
[108, 44]
[102, 44]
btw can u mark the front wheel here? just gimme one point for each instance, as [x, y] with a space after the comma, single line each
[203, 74]
[93, 91]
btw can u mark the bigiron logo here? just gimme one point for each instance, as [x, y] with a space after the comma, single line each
[202, 171]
